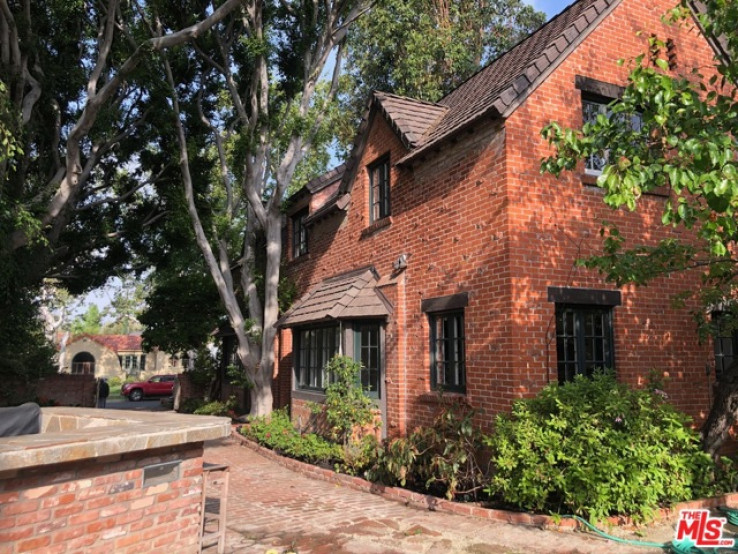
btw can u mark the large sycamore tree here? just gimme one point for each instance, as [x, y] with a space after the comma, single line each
[70, 116]
[687, 144]
[247, 102]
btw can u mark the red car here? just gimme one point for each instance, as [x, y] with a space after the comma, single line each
[158, 385]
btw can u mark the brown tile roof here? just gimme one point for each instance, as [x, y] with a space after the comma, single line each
[116, 343]
[347, 296]
[322, 181]
[499, 88]
[410, 118]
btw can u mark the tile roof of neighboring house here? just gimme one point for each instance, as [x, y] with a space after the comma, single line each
[350, 295]
[116, 343]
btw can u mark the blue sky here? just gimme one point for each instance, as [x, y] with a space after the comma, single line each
[550, 7]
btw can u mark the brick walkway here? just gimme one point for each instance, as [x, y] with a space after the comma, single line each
[273, 508]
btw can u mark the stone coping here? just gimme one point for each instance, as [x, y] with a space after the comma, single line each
[473, 509]
[73, 434]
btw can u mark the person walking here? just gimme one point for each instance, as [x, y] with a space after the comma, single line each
[103, 391]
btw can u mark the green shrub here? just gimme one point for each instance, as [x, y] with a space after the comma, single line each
[595, 447]
[442, 458]
[190, 405]
[347, 407]
[115, 382]
[217, 408]
[277, 433]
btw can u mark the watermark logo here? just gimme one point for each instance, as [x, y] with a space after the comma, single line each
[698, 528]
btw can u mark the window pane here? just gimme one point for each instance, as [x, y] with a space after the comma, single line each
[367, 353]
[447, 351]
[315, 349]
[583, 336]
[379, 190]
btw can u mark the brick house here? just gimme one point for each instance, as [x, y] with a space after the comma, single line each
[441, 258]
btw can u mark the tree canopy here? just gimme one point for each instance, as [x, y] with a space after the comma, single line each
[686, 146]
[71, 119]
[423, 49]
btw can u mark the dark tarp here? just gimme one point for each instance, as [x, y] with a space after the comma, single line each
[20, 420]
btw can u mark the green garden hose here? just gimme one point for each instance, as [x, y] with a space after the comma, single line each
[673, 547]
[730, 513]
[600, 532]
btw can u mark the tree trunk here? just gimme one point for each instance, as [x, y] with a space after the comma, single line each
[261, 393]
[723, 413]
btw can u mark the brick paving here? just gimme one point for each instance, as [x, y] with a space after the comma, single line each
[273, 509]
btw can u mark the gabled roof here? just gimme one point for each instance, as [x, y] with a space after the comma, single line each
[501, 86]
[318, 183]
[327, 178]
[116, 343]
[410, 118]
[348, 296]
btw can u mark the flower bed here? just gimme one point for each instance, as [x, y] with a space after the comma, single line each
[473, 509]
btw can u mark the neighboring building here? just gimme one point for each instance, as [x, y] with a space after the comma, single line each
[442, 259]
[117, 356]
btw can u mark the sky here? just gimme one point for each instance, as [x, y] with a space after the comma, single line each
[550, 7]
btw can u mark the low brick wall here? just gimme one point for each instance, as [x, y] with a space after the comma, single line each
[62, 389]
[68, 390]
[105, 481]
[91, 506]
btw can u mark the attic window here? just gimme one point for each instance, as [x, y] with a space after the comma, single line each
[379, 190]
[592, 107]
[299, 234]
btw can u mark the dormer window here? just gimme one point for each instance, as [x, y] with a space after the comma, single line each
[379, 190]
[299, 234]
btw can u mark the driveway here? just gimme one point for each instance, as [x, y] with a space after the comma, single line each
[273, 509]
[152, 405]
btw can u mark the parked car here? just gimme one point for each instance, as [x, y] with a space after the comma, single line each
[158, 385]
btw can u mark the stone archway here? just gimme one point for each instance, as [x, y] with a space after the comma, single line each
[83, 363]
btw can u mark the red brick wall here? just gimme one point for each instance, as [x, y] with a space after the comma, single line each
[62, 389]
[557, 221]
[478, 217]
[69, 390]
[100, 506]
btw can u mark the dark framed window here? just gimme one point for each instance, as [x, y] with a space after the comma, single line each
[315, 348]
[592, 107]
[129, 363]
[584, 340]
[448, 351]
[299, 234]
[725, 342]
[379, 190]
[367, 352]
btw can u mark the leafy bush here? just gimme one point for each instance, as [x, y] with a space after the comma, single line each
[217, 408]
[442, 458]
[277, 433]
[595, 447]
[347, 407]
[190, 405]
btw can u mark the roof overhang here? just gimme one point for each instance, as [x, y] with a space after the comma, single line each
[352, 295]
